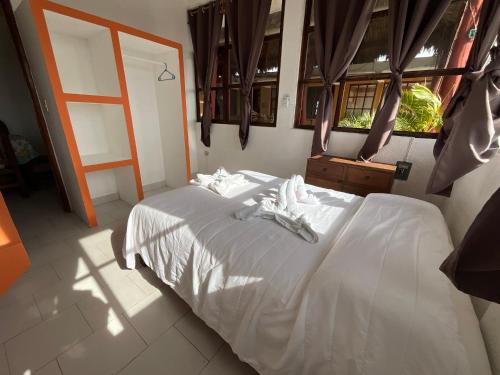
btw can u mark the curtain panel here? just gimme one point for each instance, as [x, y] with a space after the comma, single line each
[474, 266]
[205, 24]
[339, 28]
[470, 134]
[410, 25]
[247, 22]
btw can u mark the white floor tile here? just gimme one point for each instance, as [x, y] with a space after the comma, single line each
[51, 369]
[77, 266]
[33, 280]
[104, 352]
[4, 366]
[32, 349]
[147, 281]
[46, 254]
[64, 294]
[157, 313]
[170, 354]
[200, 335]
[117, 296]
[226, 362]
[17, 318]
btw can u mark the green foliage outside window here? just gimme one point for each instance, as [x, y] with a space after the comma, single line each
[420, 111]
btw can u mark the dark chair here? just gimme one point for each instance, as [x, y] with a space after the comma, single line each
[10, 173]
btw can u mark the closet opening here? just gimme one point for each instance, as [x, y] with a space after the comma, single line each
[154, 92]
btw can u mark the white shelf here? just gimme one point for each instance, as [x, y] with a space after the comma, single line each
[109, 157]
[100, 132]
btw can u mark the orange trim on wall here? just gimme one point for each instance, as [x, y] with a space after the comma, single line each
[100, 99]
[13, 258]
[38, 6]
[110, 165]
[184, 113]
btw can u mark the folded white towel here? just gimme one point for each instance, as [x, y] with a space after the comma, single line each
[221, 182]
[284, 209]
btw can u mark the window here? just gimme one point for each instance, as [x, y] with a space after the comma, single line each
[429, 81]
[225, 93]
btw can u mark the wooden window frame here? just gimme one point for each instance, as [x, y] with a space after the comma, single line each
[347, 80]
[227, 86]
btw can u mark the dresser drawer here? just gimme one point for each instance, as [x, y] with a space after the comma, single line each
[327, 184]
[373, 179]
[327, 171]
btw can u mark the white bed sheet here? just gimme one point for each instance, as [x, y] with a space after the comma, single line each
[366, 299]
[245, 279]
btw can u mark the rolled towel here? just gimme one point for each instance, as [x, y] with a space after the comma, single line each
[221, 182]
[284, 209]
[300, 192]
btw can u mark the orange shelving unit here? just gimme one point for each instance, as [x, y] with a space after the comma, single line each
[84, 62]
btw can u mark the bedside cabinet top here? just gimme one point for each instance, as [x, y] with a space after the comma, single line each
[382, 167]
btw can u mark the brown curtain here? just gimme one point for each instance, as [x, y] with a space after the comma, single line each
[471, 130]
[339, 27]
[474, 266]
[411, 23]
[205, 24]
[247, 22]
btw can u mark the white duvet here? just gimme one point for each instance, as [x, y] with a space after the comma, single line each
[367, 298]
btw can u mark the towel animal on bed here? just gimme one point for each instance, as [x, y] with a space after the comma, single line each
[285, 209]
[221, 182]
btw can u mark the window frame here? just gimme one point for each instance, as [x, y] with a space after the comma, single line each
[227, 86]
[358, 78]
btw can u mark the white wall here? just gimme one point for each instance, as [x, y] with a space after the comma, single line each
[169, 104]
[469, 195]
[16, 108]
[141, 90]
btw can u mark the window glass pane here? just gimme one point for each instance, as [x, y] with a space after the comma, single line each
[423, 101]
[445, 48]
[269, 60]
[217, 97]
[218, 79]
[379, 5]
[274, 21]
[360, 97]
[311, 70]
[264, 104]
[235, 76]
[310, 102]
[201, 102]
[234, 104]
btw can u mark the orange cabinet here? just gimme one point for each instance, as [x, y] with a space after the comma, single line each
[13, 258]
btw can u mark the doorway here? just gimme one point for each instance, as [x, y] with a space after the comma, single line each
[30, 180]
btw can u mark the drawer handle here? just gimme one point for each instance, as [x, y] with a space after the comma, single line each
[367, 177]
[324, 169]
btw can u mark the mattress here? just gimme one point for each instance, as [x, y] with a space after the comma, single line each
[367, 298]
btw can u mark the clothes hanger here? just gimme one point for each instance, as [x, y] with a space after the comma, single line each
[170, 75]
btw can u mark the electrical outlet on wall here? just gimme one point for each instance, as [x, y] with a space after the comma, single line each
[403, 169]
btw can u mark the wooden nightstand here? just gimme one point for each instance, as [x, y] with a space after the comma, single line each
[349, 175]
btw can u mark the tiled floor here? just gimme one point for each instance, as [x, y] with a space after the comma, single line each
[77, 312]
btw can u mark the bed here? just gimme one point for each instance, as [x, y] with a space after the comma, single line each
[367, 298]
